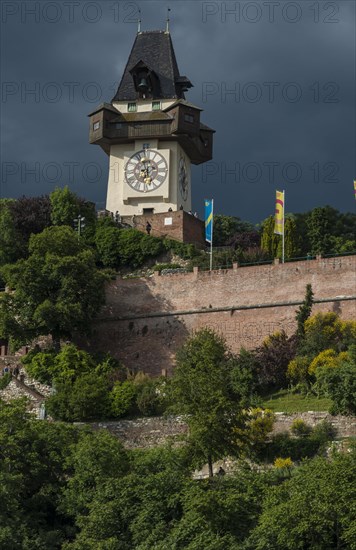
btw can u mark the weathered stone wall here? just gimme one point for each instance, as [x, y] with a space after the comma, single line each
[153, 431]
[147, 319]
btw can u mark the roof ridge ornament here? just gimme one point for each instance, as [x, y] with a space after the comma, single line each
[167, 21]
[139, 21]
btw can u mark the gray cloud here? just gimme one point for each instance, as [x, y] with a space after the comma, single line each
[74, 64]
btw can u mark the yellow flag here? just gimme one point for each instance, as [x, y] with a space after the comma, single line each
[279, 215]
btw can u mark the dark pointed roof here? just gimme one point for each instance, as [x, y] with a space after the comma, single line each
[155, 50]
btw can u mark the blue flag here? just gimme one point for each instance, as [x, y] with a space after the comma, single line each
[209, 220]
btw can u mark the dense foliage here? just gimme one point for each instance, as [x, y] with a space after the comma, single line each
[71, 488]
[56, 290]
[202, 391]
[91, 388]
[322, 230]
[67, 488]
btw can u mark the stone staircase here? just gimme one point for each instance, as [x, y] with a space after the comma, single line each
[24, 386]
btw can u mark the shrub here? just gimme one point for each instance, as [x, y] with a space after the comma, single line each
[326, 331]
[70, 363]
[339, 384]
[85, 400]
[327, 359]
[39, 365]
[5, 380]
[107, 240]
[135, 247]
[160, 267]
[300, 428]
[184, 251]
[283, 463]
[273, 359]
[297, 370]
[323, 433]
[148, 399]
[244, 377]
[260, 424]
[301, 446]
[122, 397]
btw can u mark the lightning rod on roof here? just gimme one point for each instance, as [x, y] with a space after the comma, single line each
[139, 21]
[167, 20]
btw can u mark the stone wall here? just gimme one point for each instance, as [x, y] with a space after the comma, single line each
[153, 431]
[147, 319]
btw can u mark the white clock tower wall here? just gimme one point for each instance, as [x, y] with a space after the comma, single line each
[120, 196]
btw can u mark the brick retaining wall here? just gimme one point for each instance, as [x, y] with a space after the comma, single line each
[147, 319]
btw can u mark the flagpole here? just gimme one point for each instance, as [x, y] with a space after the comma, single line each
[211, 240]
[284, 210]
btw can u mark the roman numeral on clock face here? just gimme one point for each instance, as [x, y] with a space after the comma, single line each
[146, 170]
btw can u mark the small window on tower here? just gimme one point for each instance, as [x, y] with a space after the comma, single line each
[189, 118]
[156, 105]
[96, 126]
[132, 107]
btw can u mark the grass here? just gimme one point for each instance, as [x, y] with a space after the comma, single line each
[283, 401]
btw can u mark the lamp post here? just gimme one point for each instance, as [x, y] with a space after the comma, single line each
[79, 224]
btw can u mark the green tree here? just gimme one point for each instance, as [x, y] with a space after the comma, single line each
[107, 241]
[66, 206]
[202, 392]
[339, 383]
[315, 509]
[10, 249]
[217, 514]
[129, 511]
[326, 331]
[341, 228]
[85, 399]
[97, 458]
[269, 241]
[32, 458]
[319, 230]
[55, 291]
[31, 215]
[136, 247]
[244, 380]
[304, 311]
[64, 366]
[291, 237]
[122, 397]
[226, 227]
[272, 243]
[273, 358]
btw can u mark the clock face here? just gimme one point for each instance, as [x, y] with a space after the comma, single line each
[183, 178]
[146, 170]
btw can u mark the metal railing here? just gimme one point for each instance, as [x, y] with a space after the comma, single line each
[229, 265]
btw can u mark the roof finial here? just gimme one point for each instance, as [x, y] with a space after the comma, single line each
[167, 20]
[139, 21]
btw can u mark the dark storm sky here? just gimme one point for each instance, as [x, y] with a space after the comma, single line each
[290, 123]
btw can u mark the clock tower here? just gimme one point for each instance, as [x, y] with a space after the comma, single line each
[150, 132]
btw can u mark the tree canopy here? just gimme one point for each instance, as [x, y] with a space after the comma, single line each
[56, 290]
[202, 391]
[72, 488]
